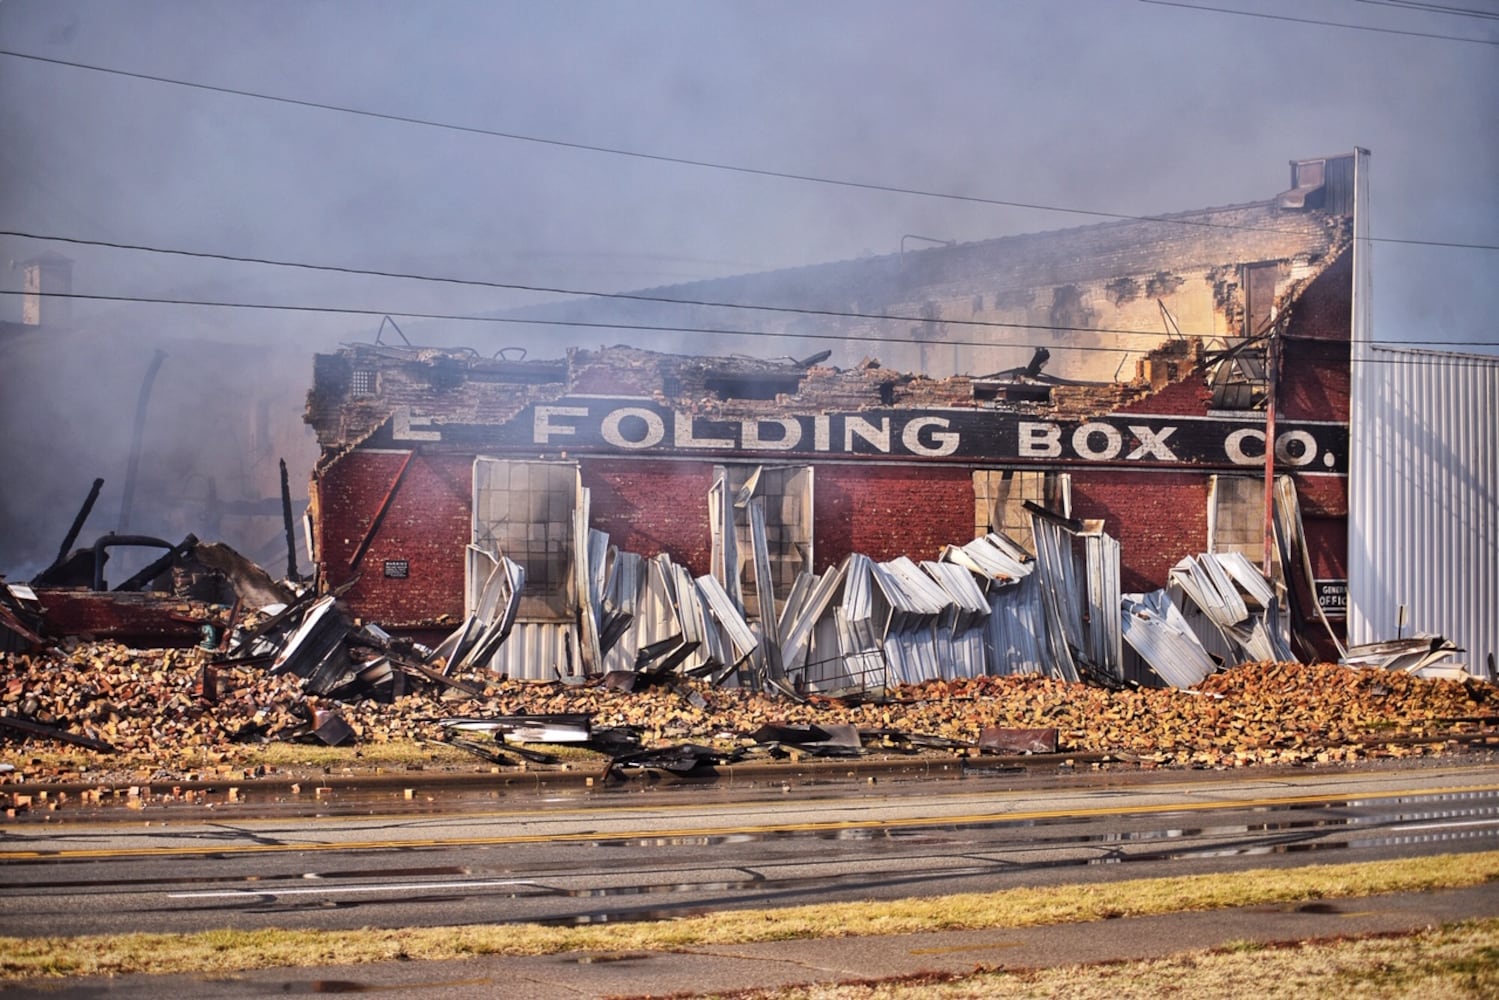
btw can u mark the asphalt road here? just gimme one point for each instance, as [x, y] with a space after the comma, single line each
[576, 860]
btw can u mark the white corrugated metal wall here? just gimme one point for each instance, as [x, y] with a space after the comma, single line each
[1423, 519]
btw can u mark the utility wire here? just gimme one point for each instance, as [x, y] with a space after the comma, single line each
[579, 292]
[717, 331]
[576, 292]
[1433, 8]
[705, 164]
[590, 293]
[470, 318]
[1327, 24]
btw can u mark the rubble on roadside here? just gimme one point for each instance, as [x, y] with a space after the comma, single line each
[985, 650]
[161, 708]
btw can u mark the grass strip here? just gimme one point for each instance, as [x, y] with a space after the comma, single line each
[216, 951]
[1455, 962]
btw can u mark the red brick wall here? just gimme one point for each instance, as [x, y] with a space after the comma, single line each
[888, 511]
[1158, 518]
[1314, 380]
[652, 507]
[1189, 397]
[1325, 307]
[1327, 542]
[427, 524]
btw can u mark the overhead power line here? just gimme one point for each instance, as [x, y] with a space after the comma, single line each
[717, 331]
[557, 290]
[595, 324]
[1325, 24]
[1434, 8]
[704, 164]
[592, 293]
[576, 292]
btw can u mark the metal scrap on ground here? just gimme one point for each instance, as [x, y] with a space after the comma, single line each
[849, 656]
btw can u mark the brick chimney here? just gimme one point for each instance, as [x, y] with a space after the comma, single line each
[48, 281]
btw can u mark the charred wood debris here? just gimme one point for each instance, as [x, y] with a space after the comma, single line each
[987, 650]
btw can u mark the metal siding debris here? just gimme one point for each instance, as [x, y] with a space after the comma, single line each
[1413, 656]
[499, 604]
[997, 739]
[995, 558]
[1208, 584]
[315, 651]
[907, 628]
[537, 651]
[1295, 557]
[970, 613]
[585, 595]
[725, 553]
[765, 595]
[1060, 596]
[1016, 630]
[1155, 628]
[1105, 638]
[20, 618]
[809, 609]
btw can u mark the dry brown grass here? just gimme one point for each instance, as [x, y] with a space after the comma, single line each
[1453, 963]
[43, 762]
[218, 951]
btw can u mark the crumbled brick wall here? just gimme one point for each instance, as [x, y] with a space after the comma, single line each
[885, 512]
[427, 525]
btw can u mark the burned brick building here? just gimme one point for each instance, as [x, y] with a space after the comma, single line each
[1143, 375]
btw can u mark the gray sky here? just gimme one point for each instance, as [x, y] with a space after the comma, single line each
[1110, 105]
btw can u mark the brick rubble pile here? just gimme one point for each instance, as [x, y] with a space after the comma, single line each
[154, 707]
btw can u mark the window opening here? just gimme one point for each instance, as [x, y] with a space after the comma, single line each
[524, 510]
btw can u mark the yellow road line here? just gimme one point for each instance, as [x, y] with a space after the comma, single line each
[725, 831]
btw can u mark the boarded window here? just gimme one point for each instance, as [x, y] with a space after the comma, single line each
[524, 510]
[999, 497]
[1236, 516]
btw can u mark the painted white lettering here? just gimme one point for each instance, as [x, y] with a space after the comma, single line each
[1082, 442]
[1234, 445]
[1295, 448]
[403, 424]
[945, 442]
[822, 437]
[1152, 443]
[858, 426]
[543, 428]
[613, 428]
[1040, 440]
[791, 434]
[683, 436]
